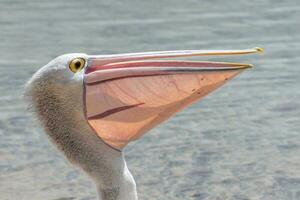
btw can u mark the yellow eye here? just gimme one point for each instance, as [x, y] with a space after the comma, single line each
[76, 64]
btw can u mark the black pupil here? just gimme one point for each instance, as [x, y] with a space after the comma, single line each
[77, 64]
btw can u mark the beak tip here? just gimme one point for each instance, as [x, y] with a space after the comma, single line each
[259, 50]
[250, 66]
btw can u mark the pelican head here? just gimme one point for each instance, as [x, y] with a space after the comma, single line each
[92, 106]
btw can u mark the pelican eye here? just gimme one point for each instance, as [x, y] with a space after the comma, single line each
[76, 64]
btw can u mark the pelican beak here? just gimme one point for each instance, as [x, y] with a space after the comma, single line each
[128, 94]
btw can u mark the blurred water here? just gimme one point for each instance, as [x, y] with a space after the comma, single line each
[242, 142]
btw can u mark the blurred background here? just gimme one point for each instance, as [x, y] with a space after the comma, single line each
[242, 142]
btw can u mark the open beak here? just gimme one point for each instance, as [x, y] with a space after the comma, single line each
[128, 94]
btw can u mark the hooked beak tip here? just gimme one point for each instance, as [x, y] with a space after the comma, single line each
[259, 50]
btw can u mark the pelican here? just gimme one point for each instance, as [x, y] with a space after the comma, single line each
[92, 106]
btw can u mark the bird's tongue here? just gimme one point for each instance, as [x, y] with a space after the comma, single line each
[126, 99]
